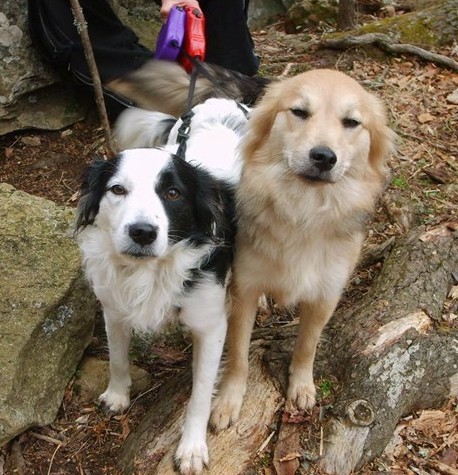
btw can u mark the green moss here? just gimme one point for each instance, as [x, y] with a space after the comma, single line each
[432, 26]
[405, 28]
[326, 389]
[399, 182]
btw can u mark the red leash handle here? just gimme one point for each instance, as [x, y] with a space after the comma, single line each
[194, 38]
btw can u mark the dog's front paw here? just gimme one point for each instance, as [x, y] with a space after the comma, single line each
[302, 395]
[191, 456]
[226, 407]
[115, 401]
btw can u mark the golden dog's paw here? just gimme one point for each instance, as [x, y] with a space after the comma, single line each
[302, 395]
[226, 409]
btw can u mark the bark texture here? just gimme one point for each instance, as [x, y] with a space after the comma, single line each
[150, 449]
[395, 353]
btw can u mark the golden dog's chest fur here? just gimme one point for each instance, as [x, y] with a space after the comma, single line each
[303, 244]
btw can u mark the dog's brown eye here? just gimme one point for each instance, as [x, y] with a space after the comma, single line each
[301, 113]
[118, 190]
[350, 123]
[172, 194]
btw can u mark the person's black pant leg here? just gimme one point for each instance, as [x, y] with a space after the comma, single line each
[229, 42]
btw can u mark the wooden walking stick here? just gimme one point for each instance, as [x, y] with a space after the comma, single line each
[81, 26]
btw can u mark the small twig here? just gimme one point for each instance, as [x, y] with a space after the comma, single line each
[442, 467]
[18, 459]
[45, 438]
[52, 458]
[98, 91]
[80, 466]
[265, 443]
[140, 396]
[445, 148]
[321, 441]
[287, 70]
[291, 456]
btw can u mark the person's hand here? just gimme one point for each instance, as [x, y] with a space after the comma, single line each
[167, 5]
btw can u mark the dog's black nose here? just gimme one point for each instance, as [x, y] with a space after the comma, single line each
[323, 157]
[143, 233]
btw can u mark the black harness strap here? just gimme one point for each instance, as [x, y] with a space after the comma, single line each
[183, 133]
[185, 127]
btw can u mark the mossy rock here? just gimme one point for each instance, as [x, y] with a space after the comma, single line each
[310, 12]
[433, 26]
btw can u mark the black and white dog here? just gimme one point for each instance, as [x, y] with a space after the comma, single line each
[156, 234]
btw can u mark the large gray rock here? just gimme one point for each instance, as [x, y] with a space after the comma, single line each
[263, 12]
[28, 97]
[46, 309]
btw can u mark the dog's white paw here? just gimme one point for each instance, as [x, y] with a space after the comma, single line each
[226, 407]
[191, 456]
[301, 395]
[115, 401]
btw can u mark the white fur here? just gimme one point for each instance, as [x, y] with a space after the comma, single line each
[213, 141]
[133, 128]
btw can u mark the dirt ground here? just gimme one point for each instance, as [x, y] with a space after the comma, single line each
[423, 190]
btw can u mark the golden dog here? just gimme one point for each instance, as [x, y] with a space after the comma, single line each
[314, 164]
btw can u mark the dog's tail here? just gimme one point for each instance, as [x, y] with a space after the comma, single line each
[139, 128]
[164, 85]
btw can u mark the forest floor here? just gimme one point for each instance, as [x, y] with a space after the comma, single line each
[423, 190]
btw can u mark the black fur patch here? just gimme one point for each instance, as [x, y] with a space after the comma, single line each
[93, 187]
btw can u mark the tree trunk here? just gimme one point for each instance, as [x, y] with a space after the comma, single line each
[390, 354]
[346, 18]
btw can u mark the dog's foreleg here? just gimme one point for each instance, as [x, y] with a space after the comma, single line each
[117, 395]
[312, 319]
[229, 398]
[209, 331]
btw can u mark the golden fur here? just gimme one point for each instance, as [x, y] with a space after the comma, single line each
[301, 222]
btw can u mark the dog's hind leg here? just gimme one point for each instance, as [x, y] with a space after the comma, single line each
[208, 322]
[229, 398]
[313, 318]
[117, 395]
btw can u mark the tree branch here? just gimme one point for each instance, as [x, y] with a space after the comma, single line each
[385, 43]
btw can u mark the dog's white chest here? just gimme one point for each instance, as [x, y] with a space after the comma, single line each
[144, 293]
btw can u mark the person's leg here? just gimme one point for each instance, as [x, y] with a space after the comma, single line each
[229, 42]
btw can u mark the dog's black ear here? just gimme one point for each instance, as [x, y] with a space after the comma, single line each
[215, 209]
[213, 201]
[215, 205]
[93, 187]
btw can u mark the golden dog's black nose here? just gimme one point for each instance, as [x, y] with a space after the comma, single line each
[143, 233]
[323, 158]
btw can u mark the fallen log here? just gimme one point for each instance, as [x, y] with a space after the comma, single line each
[390, 354]
[150, 448]
[393, 353]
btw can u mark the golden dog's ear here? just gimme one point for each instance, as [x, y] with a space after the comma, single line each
[382, 137]
[261, 120]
